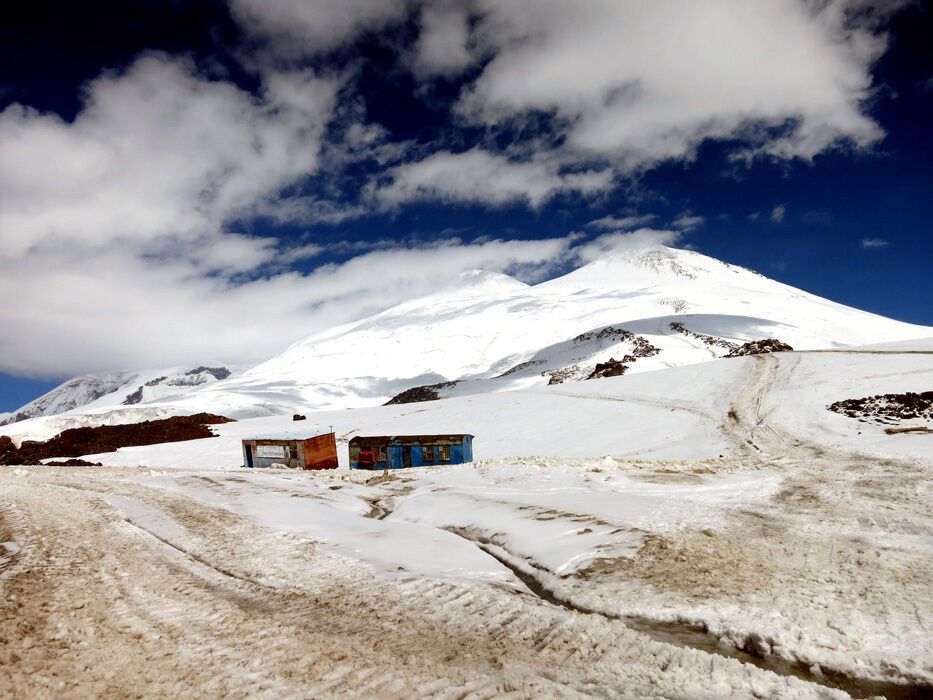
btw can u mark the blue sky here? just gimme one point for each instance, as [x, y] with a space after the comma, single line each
[209, 180]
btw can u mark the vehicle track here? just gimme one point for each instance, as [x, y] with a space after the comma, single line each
[96, 603]
[104, 607]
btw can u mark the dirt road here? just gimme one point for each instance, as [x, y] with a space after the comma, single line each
[93, 605]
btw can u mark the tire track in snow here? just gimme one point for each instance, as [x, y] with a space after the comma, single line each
[683, 635]
[114, 611]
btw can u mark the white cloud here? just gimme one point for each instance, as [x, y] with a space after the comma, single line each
[443, 42]
[479, 176]
[122, 250]
[687, 221]
[609, 243]
[157, 153]
[777, 214]
[644, 82]
[621, 222]
[297, 28]
[629, 84]
[874, 243]
[68, 311]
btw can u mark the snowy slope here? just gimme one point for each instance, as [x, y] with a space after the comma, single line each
[649, 308]
[680, 413]
[487, 324]
[106, 390]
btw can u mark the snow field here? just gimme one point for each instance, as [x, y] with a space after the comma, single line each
[806, 541]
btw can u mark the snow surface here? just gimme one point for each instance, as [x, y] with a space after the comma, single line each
[809, 538]
[721, 495]
[672, 414]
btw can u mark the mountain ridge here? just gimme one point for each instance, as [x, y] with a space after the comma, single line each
[476, 330]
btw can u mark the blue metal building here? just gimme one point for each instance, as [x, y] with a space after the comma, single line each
[401, 451]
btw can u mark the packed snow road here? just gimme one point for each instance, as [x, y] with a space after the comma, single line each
[174, 597]
[522, 577]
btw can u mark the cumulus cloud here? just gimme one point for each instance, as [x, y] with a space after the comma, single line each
[777, 214]
[687, 221]
[157, 154]
[608, 243]
[874, 243]
[443, 45]
[479, 176]
[641, 83]
[118, 226]
[78, 312]
[622, 83]
[630, 221]
[299, 28]
[121, 241]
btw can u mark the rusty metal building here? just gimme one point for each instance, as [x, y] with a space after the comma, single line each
[402, 451]
[315, 452]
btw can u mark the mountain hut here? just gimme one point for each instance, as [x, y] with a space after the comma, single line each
[315, 452]
[401, 451]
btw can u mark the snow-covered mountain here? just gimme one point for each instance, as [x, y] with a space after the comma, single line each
[644, 309]
[106, 390]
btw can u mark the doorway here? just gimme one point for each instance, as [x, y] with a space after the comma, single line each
[406, 456]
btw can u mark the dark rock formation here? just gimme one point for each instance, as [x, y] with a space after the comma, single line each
[710, 340]
[887, 408]
[610, 368]
[417, 394]
[108, 438]
[758, 347]
[133, 397]
[217, 372]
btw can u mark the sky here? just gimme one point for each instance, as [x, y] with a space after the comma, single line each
[199, 181]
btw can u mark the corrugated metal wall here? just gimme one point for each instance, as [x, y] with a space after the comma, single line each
[319, 452]
[412, 452]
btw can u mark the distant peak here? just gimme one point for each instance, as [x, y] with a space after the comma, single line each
[656, 259]
[485, 279]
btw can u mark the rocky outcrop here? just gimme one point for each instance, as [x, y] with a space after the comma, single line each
[416, 394]
[611, 368]
[758, 347]
[887, 408]
[709, 340]
[109, 438]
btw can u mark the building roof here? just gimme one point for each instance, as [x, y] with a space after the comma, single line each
[292, 437]
[417, 439]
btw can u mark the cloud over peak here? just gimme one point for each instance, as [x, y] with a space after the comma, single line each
[483, 177]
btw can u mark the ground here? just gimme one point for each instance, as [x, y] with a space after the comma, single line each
[795, 565]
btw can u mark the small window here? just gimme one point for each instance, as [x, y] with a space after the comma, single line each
[427, 453]
[445, 453]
